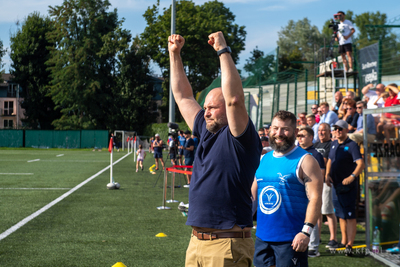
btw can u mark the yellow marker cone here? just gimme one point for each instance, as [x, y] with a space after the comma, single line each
[161, 235]
[119, 264]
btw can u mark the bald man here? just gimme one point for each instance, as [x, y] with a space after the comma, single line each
[220, 189]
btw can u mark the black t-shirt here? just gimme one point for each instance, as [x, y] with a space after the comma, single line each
[323, 148]
[352, 120]
[187, 153]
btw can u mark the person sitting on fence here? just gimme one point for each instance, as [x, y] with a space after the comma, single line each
[141, 155]
[351, 116]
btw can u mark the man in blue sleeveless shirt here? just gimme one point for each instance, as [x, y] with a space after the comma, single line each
[289, 187]
[227, 157]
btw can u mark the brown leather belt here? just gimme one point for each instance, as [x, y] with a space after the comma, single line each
[212, 236]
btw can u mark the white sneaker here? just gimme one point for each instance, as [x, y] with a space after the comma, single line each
[186, 185]
[350, 70]
[136, 170]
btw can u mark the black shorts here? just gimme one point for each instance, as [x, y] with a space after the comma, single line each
[345, 48]
[172, 155]
[345, 207]
[279, 254]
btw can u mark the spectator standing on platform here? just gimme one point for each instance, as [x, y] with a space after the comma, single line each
[314, 126]
[289, 172]
[305, 138]
[188, 152]
[344, 166]
[323, 146]
[328, 116]
[358, 135]
[338, 102]
[228, 156]
[158, 146]
[141, 155]
[345, 32]
[314, 111]
[182, 141]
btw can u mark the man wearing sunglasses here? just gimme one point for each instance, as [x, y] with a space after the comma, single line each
[358, 135]
[344, 165]
[305, 138]
[314, 110]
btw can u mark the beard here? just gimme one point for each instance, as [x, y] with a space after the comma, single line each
[287, 143]
[214, 126]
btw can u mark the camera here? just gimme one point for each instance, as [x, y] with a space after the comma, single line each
[334, 26]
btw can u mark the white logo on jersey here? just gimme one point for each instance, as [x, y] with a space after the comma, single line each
[273, 201]
[283, 178]
[294, 261]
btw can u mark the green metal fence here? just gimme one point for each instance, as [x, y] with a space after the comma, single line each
[54, 139]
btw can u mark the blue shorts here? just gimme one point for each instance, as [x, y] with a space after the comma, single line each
[345, 207]
[280, 254]
[189, 161]
[181, 152]
[157, 155]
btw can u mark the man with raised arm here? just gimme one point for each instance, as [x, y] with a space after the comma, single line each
[219, 195]
[288, 187]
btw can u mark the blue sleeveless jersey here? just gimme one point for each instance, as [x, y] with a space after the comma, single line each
[282, 200]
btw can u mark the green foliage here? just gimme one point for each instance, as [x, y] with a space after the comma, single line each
[300, 35]
[29, 53]
[260, 66]
[98, 81]
[2, 53]
[162, 129]
[194, 23]
[286, 59]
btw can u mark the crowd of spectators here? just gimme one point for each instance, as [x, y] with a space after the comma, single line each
[336, 131]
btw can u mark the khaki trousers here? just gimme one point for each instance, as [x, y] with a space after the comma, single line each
[221, 252]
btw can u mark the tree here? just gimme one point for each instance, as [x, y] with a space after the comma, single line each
[90, 66]
[194, 23]
[29, 53]
[300, 35]
[2, 53]
[286, 60]
[260, 66]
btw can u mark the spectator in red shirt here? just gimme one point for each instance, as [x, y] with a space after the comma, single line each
[389, 121]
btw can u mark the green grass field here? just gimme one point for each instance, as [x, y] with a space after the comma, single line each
[94, 226]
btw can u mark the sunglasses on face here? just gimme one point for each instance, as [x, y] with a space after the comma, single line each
[300, 136]
[313, 108]
[359, 107]
[338, 129]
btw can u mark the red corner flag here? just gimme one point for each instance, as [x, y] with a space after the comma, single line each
[110, 145]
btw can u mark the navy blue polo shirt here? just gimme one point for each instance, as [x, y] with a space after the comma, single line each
[220, 187]
[343, 157]
[317, 156]
[187, 153]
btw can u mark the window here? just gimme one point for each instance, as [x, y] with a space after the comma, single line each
[8, 108]
[8, 124]
[12, 90]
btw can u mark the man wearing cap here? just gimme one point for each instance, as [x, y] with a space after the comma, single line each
[188, 152]
[265, 145]
[158, 146]
[227, 158]
[345, 32]
[344, 166]
[266, 129]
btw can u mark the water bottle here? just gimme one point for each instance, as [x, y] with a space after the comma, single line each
[376, 240]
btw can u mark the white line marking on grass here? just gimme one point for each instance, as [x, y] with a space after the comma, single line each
[60, 155]
[33, 160]
[34, 188]
[16, 173]
[14, 228]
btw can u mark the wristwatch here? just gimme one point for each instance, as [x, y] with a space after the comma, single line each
[353, 175]
[224, 50]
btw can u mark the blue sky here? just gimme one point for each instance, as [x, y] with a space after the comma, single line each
[262, 18]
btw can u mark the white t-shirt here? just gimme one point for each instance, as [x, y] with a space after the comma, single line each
[140, 153]
[372, 98]
[344, 30]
